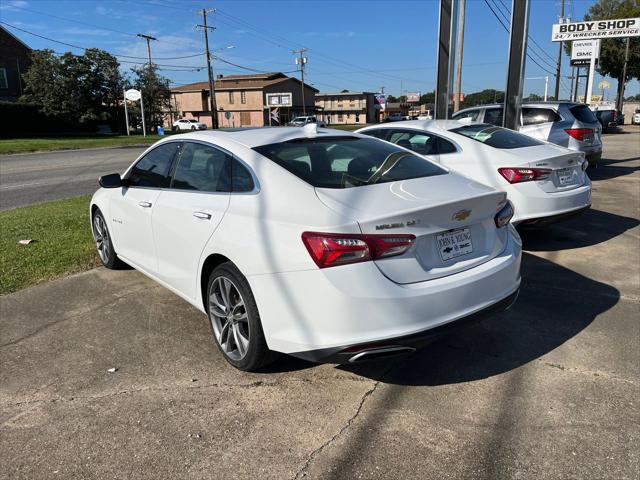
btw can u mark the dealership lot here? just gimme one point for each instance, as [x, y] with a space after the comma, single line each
[546, 390]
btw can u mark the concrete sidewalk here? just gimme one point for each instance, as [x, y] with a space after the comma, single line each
[548, 389]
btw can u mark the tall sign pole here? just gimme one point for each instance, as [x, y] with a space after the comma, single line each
[559, 64]
[457, 89]
[592, 71]
[517, 54]
[126, 113]
[446, 44]
[212, 87]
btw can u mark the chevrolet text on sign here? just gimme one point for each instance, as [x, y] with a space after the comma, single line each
[625, 27]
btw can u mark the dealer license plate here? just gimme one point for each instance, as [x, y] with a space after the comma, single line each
[565, 176]
[454, 243]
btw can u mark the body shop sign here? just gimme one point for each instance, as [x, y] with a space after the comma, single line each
[624, 27]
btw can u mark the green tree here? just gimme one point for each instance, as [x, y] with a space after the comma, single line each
[533, 97]
[483, 98]
[612, 50]
[155, 94]
[428, 98]
[79, 89]
[392, 99]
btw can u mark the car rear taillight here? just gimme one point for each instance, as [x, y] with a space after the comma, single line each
[519, 175]
[579, 133]
[504, 215]
[333, 249]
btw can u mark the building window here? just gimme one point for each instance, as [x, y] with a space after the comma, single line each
[243, 97]
[230, 97]
[340, 118]
[3, 78]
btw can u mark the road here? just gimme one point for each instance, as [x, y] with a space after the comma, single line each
[546, 390]
[31, 178]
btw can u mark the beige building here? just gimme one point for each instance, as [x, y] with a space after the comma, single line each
[245, 100]
[355, 108]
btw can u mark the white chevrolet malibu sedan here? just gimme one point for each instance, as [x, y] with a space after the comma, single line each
[545, 182]
[318, 243]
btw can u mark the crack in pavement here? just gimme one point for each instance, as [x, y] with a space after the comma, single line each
[302, 472]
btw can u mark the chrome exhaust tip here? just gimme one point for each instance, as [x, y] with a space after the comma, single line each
[380, 352]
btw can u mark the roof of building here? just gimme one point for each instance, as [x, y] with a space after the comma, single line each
[15, 38]
[343, 93]
[234, 82]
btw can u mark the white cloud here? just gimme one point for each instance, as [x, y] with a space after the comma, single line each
[9, 5]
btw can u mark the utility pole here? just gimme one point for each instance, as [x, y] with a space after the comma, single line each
[302, 61]
[212, 88]
[560, 44]
[458, 81]
[148, 38]
[621, 84]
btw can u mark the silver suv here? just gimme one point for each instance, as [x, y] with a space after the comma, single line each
[568, 124]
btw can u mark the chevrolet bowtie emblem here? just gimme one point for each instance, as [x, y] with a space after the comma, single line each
[461, 215]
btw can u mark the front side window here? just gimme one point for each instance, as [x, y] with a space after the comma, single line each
[496, 137]
[202, 168]
[346, 162]
[153, 169]
[493, 116]
[536, 116]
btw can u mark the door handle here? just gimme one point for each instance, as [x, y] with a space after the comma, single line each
[144, 204]
[202, 215]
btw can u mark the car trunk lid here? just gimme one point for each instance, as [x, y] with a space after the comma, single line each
[451, 216]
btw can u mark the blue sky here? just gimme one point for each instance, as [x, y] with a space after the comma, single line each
[357, 45]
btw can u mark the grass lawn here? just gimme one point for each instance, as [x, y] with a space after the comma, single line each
[63, 243]
[22, 145]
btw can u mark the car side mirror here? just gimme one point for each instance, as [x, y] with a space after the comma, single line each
[112, 180]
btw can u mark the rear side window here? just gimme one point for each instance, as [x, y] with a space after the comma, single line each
[583, 114]
[345, 162]
[241, 179]
[203, 168]
[153, 169]
[493, 116]
[497, 137]
[535, 116]
[419, 142]
[473, 114]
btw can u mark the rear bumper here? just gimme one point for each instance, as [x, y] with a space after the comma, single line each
[532, 204]
[314, 314]
[542, 222]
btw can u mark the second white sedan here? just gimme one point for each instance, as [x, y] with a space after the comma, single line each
[189, 124]
[545, 182]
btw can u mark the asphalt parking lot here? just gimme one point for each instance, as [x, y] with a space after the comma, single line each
[548, 389]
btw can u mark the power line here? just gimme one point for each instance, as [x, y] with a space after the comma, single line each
[87, 48]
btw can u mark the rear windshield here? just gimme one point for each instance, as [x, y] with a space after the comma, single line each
[496, 137]
[583, 114]
[345, 162]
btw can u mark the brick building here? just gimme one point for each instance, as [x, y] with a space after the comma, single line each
[350, 108]
[15, 59]
[245, 99]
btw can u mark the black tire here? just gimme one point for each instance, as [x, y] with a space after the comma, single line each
[257, 354]
[193, 128]
[104, 245]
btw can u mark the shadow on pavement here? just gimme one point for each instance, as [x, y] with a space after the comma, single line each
[555, 305]
[608, 169]
[590, 228]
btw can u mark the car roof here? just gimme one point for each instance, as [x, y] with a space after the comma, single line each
[433, 125]
[527, 104]
[257, 136]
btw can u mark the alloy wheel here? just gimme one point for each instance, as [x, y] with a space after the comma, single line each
[229, 319]
[102, 238]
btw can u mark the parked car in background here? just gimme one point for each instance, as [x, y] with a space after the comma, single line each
[545, 182]
[607, 115]
[636, 118]
[188, 124]
[570, 125]
[302, 121]
[394, 117]
[322, 244]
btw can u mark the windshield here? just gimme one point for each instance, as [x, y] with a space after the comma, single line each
[345, 162]
[496, 137]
